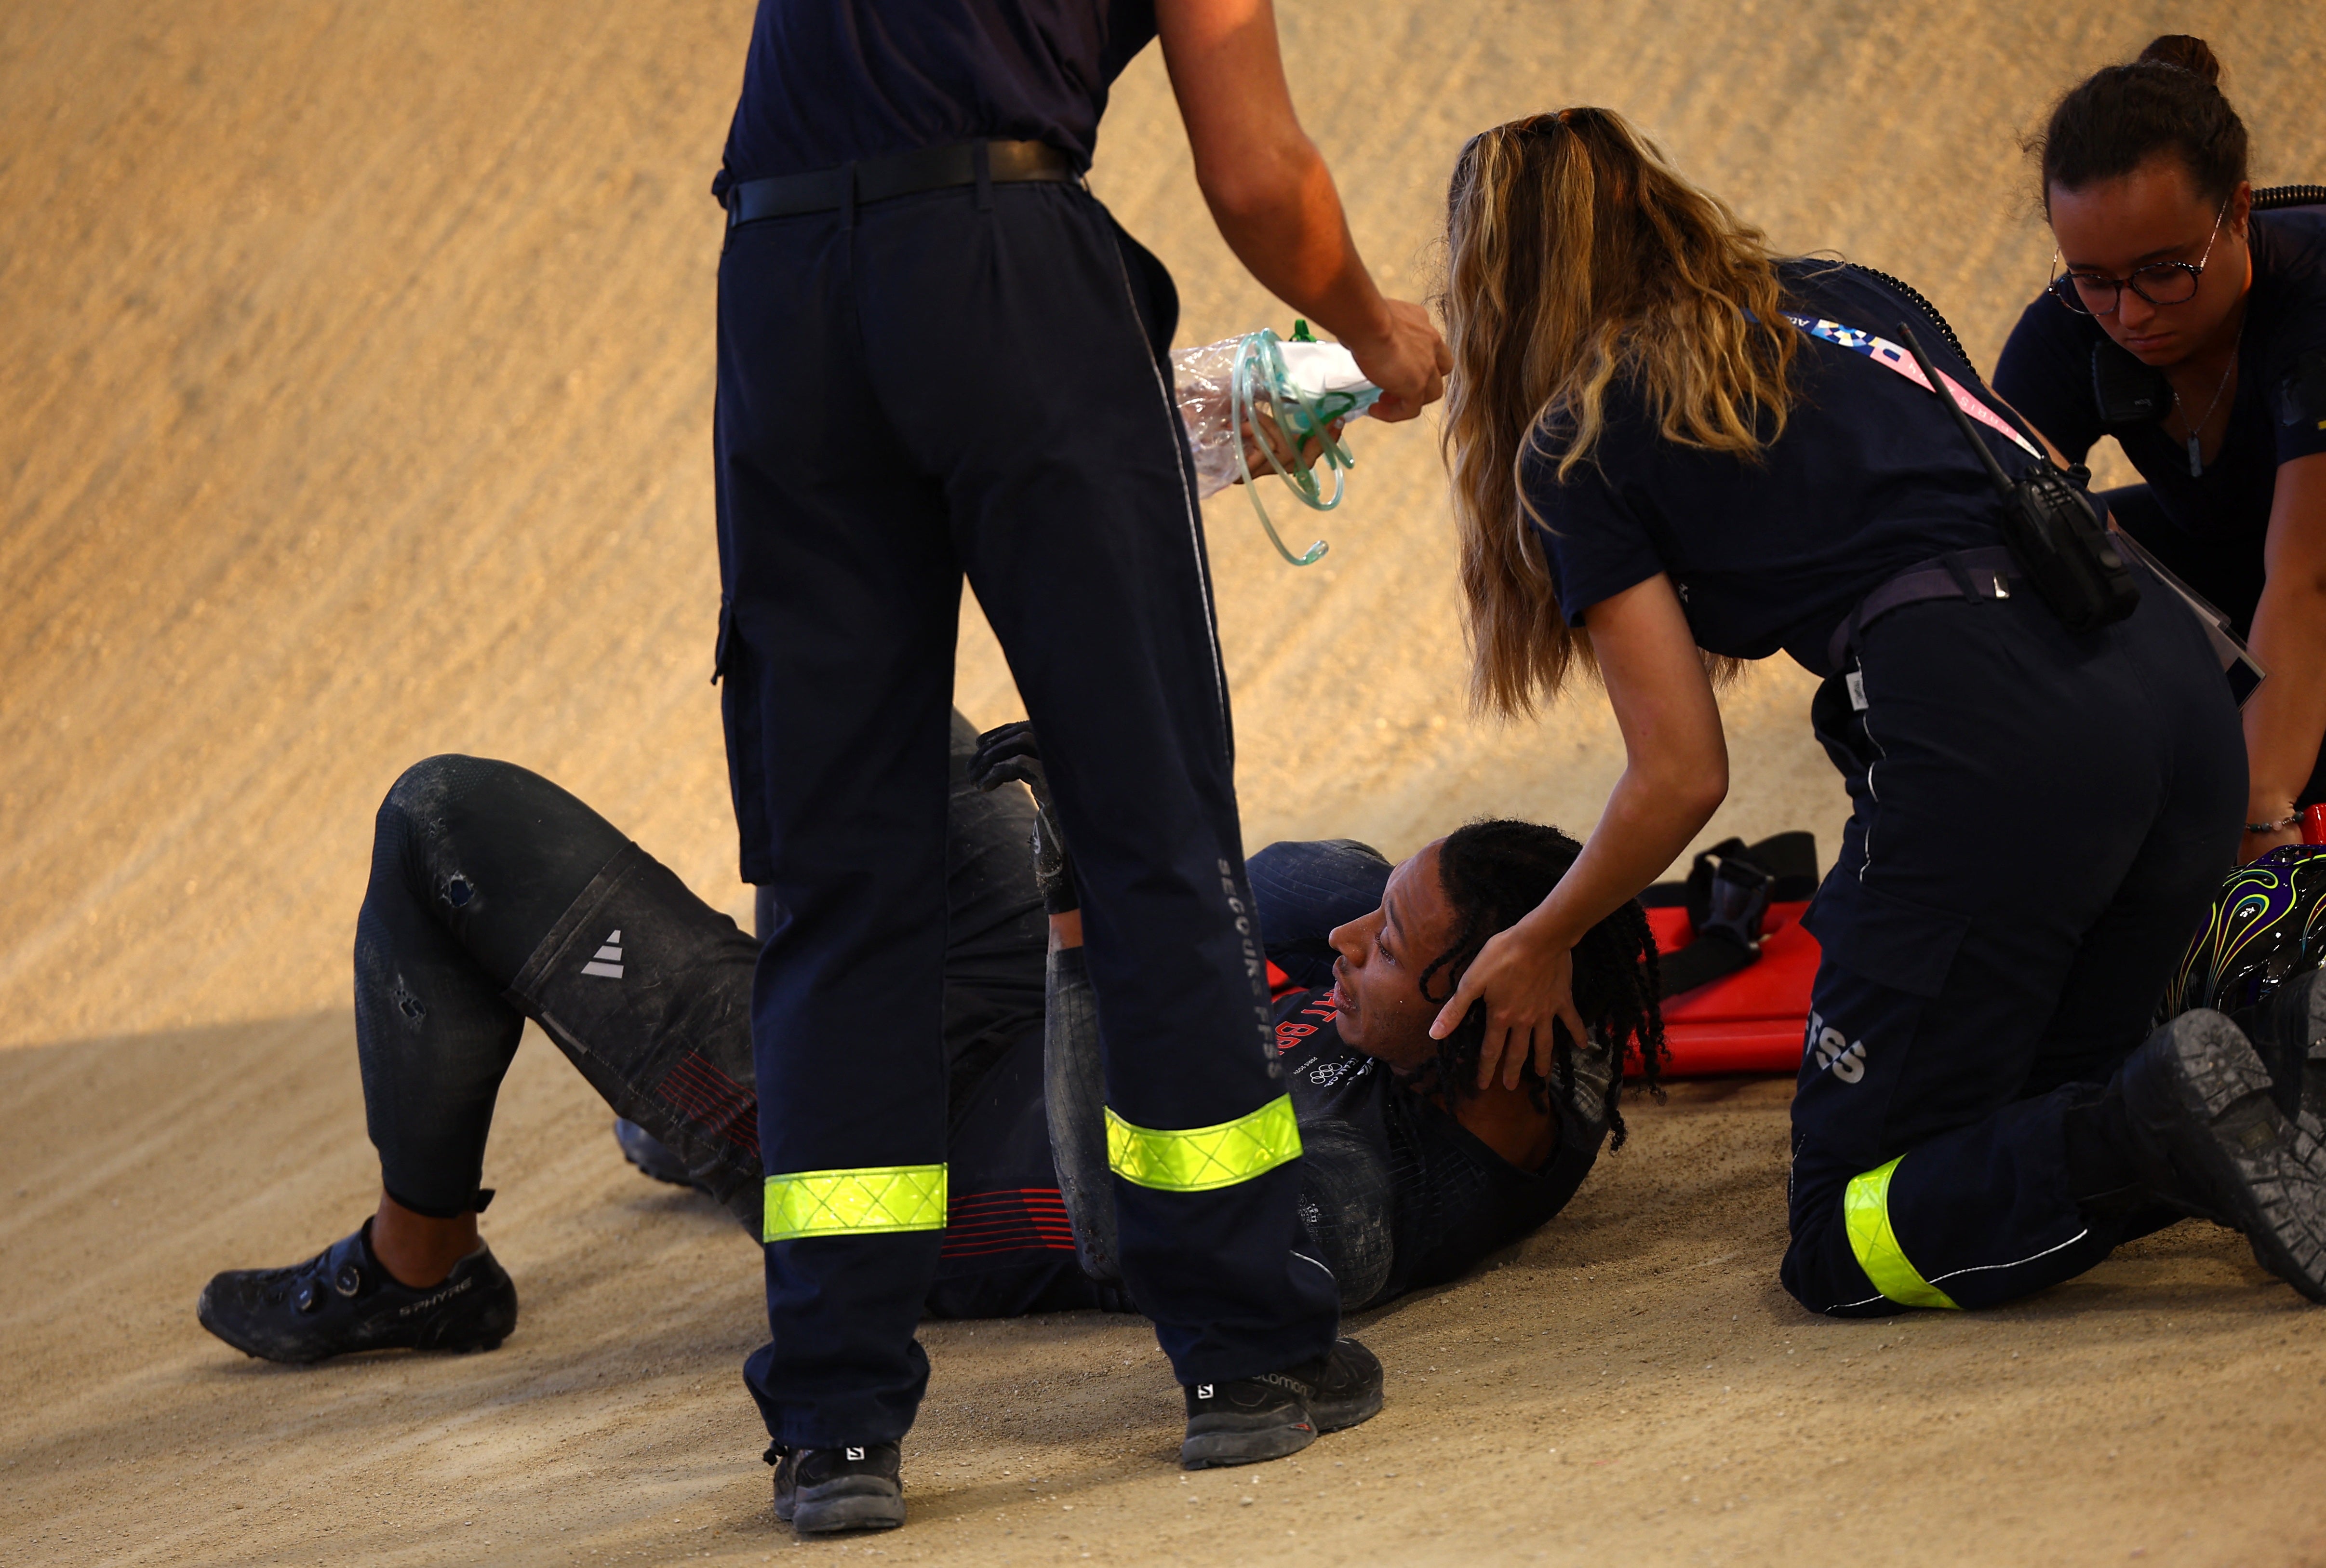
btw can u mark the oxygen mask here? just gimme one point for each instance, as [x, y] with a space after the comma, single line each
[1278, 398]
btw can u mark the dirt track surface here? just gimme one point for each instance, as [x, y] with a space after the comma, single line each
[356, 408]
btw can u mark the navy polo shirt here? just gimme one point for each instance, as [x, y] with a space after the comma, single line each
[2222, 514]
[829, 81]
[1870, 477]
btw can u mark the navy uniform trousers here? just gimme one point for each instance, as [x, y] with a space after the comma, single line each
[976, 382]
[2040, 821]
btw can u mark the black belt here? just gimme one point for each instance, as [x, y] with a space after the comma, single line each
[980, 163]
[1985, 573]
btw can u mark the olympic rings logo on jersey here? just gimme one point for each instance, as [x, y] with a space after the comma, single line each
[1332, 1070]
[1834, 1053]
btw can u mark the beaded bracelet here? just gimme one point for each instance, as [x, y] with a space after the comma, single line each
[2280, 825]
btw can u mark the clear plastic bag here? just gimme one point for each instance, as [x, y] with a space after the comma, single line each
[1286, 394]
[1201, 379]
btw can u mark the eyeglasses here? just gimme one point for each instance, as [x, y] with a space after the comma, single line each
[2160, 283]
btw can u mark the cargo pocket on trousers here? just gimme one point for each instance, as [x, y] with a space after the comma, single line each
[737, 675]
[1883, 938]
[1153, 291]
[1841, 730]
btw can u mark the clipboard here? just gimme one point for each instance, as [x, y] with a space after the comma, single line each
[2244, 671]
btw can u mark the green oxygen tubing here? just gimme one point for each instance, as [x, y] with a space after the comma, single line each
[1261, 375]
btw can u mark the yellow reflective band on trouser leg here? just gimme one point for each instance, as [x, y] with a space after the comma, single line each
[1202, 1158]
[1865, 1206]
[867, 1202]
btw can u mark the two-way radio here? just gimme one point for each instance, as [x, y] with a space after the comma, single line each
[2051, 529]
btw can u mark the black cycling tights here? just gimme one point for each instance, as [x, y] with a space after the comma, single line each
[472, 862]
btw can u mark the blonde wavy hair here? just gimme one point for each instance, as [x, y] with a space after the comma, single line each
[1575, 256]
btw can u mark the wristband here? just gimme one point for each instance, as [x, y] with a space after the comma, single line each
[2280, 825]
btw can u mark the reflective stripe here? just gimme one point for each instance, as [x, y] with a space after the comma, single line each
[1865, 1206]
[853, 1202]
[1202, 1158]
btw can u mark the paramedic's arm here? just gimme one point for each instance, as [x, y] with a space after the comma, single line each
[2287, 715]
[1675, 776]
[1274, 199]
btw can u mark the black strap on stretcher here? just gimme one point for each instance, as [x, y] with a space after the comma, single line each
[1727, 894]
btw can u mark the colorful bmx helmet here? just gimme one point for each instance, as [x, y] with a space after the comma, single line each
[2268, 922]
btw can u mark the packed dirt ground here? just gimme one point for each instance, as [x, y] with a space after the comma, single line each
[358, 407]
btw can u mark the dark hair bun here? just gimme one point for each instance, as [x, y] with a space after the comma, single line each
[2190, 54]
[2116, 119]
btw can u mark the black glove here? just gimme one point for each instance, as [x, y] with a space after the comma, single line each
[1010, 754]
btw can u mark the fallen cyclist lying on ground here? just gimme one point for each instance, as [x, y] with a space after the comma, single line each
[495, 897]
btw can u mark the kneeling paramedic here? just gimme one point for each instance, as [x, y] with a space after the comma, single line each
[2039, 744]
[939, 355]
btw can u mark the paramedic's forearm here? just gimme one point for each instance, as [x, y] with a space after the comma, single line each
[1675, 777]
[1295, 239]
[1646, 825]
[1267, 185]
[1300, 247]
[1676, 755]
[2287, 715]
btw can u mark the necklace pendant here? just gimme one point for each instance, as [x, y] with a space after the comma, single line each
[2196, 463]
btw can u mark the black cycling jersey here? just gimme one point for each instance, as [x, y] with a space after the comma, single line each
[1451, 1198]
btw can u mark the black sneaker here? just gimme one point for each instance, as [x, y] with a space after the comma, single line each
[2288, 1031]
[652, 1156]
[342, 1300]
[823, 1491]
[1277, 1414]
[2199, 1107]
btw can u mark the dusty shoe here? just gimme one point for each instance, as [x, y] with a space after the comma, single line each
[651, 1154]
[342, 1300]
[2199, 1104]
[824, 1491]
[2288, 1031]
[1277, 1414]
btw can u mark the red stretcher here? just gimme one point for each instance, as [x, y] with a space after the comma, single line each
[1751, 1021]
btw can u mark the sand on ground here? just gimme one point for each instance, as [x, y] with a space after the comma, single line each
[357, 408]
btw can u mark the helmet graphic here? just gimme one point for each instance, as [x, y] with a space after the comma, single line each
[2268, 921]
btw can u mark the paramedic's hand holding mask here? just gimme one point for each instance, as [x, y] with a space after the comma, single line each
[1264, 437]
[1228, 75]
[1404, 355]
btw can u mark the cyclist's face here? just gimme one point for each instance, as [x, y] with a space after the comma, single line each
[1377, 974]
[2155, 214]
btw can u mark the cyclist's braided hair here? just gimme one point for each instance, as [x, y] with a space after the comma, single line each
[1493, 871]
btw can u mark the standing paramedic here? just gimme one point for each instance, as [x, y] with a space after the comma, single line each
[939, 355]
